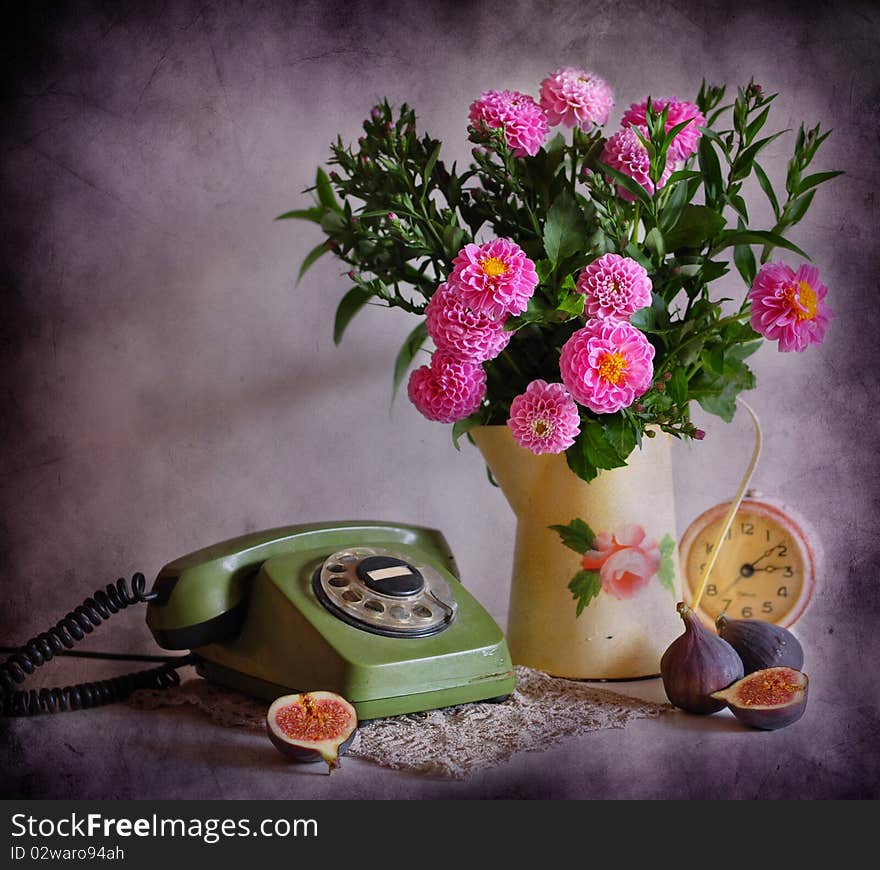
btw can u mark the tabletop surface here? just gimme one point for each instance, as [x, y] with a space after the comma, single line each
[118, 752]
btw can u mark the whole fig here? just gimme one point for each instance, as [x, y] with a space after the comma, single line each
[768, 699]
[696, 664]
[761, 644]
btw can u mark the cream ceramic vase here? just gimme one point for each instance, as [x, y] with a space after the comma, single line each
[631, 568]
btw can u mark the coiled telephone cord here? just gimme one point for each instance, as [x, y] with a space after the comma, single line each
[67, 632]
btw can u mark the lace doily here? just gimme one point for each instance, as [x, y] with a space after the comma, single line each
[452, 742]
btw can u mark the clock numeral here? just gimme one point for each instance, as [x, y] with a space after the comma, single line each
[782, 592]
[767, 533]
[709, 548]
[727, 603]
[782, 551]
[746, 612]
[747, 528]
[711, 589]
[767, 607]
[788, 572]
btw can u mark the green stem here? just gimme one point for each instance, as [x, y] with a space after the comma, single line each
[636, 219]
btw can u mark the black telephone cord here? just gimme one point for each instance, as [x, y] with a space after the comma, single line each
[67, 632]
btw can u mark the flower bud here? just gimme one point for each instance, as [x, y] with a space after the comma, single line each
[392, 217]
[660, 387]
[352, 275]
[667, 376]
[699, 434]
[376, 113]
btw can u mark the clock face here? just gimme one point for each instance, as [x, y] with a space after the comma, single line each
[764, 570]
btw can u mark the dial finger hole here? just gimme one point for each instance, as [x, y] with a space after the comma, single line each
[375, 606]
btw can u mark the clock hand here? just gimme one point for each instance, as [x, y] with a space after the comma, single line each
[766, 553]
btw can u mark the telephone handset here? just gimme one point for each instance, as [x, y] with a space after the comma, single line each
[371, 610]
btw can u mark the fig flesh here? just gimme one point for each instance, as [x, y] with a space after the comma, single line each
[696, 664]
[761, 644]
[310, 727]
[768, 699]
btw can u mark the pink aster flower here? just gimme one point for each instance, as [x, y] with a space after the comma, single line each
[789, 307]
[626, 560]
[544, 419]
[615, 286]
[685, 142]
[624, 152]
[573, 96]
[607, 365]
[495, 279]
[461, 332]
[448, 390]
[523, 120]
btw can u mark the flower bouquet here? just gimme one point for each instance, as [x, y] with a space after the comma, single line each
[564, 282]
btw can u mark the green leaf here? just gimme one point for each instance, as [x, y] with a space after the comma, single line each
[627, 183]
[666, 571]
[584, 586]
[711, 170]
[573, 304]
[407, 352]
[592, 451]
[638, 255]
[311, 257]
[797, 207]
[577, 536]
[325, 191]
[717, 393]
[759, 237]
[564, 229]
[745, 262]
[697, 225]
[767, 187]
[351, 303]
[462, 427]
[429, 168]
[654, 242]
[677, 388]
[817, 178]
[313, 214]
[621, 433]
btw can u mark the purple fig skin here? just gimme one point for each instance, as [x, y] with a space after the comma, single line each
[303, 755]
[761, 644]
[767, 717]
[696, 664]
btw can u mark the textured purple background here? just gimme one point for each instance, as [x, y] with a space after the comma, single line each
[164, 385]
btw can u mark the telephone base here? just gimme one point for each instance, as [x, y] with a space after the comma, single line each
[486, 688]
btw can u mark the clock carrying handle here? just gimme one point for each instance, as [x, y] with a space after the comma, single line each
[733, 507]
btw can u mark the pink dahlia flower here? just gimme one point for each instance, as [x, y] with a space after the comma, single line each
[523, 120]
[624, 152]
[573, 96]
[685, 142]
[615, 286]
[461, 332]
[626, 560]
[495, 279]
[448, 390]
[544, 419]
[789, 307]
[607, 365]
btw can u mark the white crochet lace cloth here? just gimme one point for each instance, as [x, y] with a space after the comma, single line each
[452, 742]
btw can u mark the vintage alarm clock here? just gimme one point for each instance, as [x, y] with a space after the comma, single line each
[766, 568]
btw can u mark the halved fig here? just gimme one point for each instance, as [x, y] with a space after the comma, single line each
[767, 699]
[315, 726]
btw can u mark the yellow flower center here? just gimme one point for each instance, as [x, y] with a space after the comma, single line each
[541, 428]
[802, 296]
[612, 368]
[493, 267]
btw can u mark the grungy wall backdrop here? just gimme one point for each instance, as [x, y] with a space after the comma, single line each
[165, 384]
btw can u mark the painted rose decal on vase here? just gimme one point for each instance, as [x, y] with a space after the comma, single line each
[619, 563]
